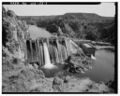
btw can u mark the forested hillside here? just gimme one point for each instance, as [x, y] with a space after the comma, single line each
[77, 25]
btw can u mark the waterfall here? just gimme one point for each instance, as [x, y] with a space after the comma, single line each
[47, 54]
[60, 53]
[65, 52]
[34, 51]
[40, 53]
[28, 50]
[56, 55]
[48, 64]
[51, 52]
[67, 43]
[93, 57]
[31, 53]
[67, 47]
[37, 51]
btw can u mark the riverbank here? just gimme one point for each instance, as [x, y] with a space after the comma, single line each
[103, 68]
[19, 76]
[29, 79]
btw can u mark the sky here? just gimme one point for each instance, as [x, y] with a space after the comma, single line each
[103, 9]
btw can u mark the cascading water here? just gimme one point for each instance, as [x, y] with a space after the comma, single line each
[28, 50]
[40, 53]
[34, 50]
[56, 54]
[51, 52]
[93, 57]
[48, 64]
[47, 54]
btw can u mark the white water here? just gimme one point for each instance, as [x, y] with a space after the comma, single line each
[48, 64]
[93, 57]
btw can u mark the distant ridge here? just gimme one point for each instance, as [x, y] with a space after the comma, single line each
[89, 26]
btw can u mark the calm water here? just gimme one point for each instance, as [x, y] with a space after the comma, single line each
[36, 32]
[103, 69]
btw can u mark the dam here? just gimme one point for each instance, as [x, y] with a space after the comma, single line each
[50, 51]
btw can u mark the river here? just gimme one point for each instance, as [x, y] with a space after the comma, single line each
[103, 69]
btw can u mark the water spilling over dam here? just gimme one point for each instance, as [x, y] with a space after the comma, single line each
[53, 52]
[47, 57]
[47, 51]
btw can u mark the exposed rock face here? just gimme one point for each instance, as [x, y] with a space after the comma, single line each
[78, 85]
[14, 34]
[57, 84]
[11, 13]
[85, 85]
[23, 78]
[16, 75]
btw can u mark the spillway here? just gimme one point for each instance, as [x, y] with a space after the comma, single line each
[48, 64]
[47, 52]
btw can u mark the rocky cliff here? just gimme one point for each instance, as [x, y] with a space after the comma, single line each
[14, 34]
[17, 75]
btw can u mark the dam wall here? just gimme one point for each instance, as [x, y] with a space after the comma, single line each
[58, 50]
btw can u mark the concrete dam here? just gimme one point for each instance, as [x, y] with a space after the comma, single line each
[50, 51]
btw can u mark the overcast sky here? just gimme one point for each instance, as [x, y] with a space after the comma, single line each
[103, 9]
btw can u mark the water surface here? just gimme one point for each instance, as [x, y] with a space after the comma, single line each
[103, 69]
[37, 32]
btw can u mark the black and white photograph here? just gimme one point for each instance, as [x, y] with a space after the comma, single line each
[59, 48]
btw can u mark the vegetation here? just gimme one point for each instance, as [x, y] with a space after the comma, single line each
[78, 25]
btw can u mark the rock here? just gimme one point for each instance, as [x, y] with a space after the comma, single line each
[57, 84]
[14, 32]
[22, 79]
[35, 65]
[66, 79]
[11, 13]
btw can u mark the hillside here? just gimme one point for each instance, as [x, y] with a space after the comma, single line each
[77, 25]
